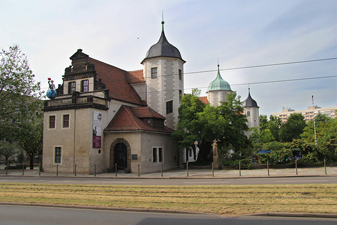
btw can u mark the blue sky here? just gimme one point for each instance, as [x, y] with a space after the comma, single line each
[237, 33]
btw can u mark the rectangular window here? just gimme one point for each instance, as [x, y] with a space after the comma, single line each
[66, 120]
[180, 75]
[248, 113]
[51, 121]
[85, 86]
[160, 154]
[154, 154]
[154, 73]
[58, 154]
[71, 87]
[169, 107]
[180, 95]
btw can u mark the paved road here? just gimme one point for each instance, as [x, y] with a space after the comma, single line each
[159, 181]
[31, 215]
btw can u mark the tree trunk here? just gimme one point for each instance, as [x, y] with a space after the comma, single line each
[204, 151]
[31, 162]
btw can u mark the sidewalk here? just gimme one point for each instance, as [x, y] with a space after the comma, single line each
[192, 173]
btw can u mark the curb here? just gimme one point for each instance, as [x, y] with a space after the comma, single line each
[172, 177]
[314, 215]
[101, 208]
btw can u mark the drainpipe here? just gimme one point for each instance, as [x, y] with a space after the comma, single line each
[74, 162]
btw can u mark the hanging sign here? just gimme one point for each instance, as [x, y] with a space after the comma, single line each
[96, 129]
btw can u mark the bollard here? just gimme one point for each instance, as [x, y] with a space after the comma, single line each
[296, 166]
[57, 169]
[116, 169]
[95, 170]
[325, 166]
[240, 168]
[161, 169]
[75, 170]
[138, 171]
[212, 169]
[187, 168]
[268, 167]
[23, 169]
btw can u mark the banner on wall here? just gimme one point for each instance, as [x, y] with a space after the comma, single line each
[96, 129]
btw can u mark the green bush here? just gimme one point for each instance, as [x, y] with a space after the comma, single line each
[245, 163]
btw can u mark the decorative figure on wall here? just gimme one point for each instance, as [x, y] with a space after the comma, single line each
[215, 155]
[51, 93]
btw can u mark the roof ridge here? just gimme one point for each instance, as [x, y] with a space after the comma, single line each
[128, 110]
[107, 64]
[149, 109]
[134, 70]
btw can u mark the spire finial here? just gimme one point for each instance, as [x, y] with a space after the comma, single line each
[162, 20]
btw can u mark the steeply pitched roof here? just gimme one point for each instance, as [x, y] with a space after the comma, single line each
[219, 83]
[204, 100]
[128, 119]
[134, 77]
[162, 49]
[116, 81]
[146, 112]
[249, 102]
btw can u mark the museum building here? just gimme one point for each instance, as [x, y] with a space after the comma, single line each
[104, 116]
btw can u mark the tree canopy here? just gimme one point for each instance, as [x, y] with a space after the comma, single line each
[293, 128]
[20, 114]
[17, 89]
[205, 123]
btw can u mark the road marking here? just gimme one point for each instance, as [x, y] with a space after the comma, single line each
[123, 182]
[206, 182]
[302, 181]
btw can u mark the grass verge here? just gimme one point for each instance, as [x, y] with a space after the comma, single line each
[225, 200]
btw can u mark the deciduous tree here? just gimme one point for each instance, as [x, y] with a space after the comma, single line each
[17, 87]
[293, 128]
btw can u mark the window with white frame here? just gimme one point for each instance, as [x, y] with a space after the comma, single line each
[154, 155]
[65, 120]
[85, 86]
[157, 154]
[154, 73]
[169, 107]
[58, 155]
[71, 87]
[51, 122]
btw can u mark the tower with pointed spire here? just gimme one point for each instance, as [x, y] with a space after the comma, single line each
[217, 90]
[252, 112]
[163, 71]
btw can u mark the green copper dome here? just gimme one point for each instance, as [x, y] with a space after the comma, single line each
[219, 84]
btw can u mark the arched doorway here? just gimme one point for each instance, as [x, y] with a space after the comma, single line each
[120, 154]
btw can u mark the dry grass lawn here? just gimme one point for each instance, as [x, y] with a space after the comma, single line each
[225, 200]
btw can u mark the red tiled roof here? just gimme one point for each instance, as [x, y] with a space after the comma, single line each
[146, 112]
[204, 100]
[134, 77]
[116, 82]
[126, 120]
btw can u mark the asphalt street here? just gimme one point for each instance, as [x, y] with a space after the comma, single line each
[32, 215]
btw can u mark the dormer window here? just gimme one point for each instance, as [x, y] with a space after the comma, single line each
[85, 86]
[71, 87]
